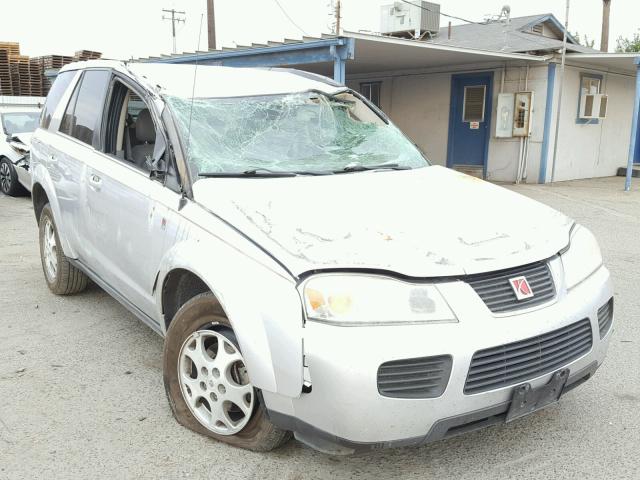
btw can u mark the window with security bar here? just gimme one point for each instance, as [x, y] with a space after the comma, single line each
[473, 105]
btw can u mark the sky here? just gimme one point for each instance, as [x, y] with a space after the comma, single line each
[126, 29]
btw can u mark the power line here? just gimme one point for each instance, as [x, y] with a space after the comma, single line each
[442, 13]
[288, 17]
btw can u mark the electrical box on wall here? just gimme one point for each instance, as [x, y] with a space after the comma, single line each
[523, 107]
[504, 121]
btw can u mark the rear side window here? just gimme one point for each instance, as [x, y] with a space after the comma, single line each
[55, 94]
[84, 112]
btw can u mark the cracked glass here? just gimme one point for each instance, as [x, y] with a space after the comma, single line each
[301, 132]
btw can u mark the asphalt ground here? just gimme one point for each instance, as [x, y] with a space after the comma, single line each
[81, 392]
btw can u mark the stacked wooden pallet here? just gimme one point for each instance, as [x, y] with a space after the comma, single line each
[36, 74]
[13, 48]
[81, 55]
[5, 73]
[7, 50]
[20, 74]
[55, 61]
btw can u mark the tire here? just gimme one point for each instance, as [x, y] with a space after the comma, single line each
[62, 278]
[9, 184]
[204, 315]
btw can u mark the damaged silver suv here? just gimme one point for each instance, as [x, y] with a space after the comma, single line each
[310, 271]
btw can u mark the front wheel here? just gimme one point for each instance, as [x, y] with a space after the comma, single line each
[207, 382]
[9, 184]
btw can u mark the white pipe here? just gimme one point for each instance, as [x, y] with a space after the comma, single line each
[525, 163]
[519, 172]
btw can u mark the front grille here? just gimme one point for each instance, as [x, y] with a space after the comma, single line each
[605, 317]
[512, 363]
[425, 377]
[496, 292]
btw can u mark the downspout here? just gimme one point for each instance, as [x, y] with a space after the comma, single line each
[634, 129]
[548, 115]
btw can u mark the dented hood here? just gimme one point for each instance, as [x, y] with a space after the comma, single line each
[425, 222]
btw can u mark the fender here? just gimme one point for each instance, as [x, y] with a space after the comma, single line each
[41, 176]
[262, 305]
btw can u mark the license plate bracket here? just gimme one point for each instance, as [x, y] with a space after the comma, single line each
[526, 400]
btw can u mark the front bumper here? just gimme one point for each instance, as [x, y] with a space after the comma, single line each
[344, 411]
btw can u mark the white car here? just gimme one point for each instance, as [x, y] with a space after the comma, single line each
[17, 124]
[310, 271]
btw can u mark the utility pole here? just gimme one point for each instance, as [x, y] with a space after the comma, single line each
[211, 25]
[175, 18]
[338, 17]
[604, 39]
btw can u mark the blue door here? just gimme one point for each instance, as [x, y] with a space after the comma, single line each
[470, 120]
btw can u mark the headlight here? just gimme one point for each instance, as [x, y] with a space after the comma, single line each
[359, 300]
[582, 258]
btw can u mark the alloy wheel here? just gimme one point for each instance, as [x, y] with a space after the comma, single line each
[50, 249]
[5, 177]
[214, 382]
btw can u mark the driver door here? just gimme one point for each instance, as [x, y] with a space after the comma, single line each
[123, 222]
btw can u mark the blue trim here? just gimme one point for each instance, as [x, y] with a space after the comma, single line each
[339, 64]
[452, 113]
[487, 116]
[548, 115]
[587, 121]
[334, 50]
[556, 23]
[634, 129]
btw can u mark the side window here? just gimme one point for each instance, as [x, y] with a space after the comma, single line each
[84, 112]
[58, 88]
[371, 91]
[130, 132]
[66, 125]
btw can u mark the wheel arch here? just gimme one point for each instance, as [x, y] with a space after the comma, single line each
[43, 192]
[178, 287]
[263, 308]
[39, 198]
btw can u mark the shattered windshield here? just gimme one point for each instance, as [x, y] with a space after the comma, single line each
[302, 132]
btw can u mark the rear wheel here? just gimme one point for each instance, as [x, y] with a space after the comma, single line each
[62, 277]
[207, 382]
[9, 184]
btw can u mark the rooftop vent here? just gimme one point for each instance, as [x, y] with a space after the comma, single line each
[415, 20]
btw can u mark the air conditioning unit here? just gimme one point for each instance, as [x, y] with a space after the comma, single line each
[415, 17]
[593, 105]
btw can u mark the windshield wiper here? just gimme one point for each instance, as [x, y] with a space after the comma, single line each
[262, 172]
[356, 167]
